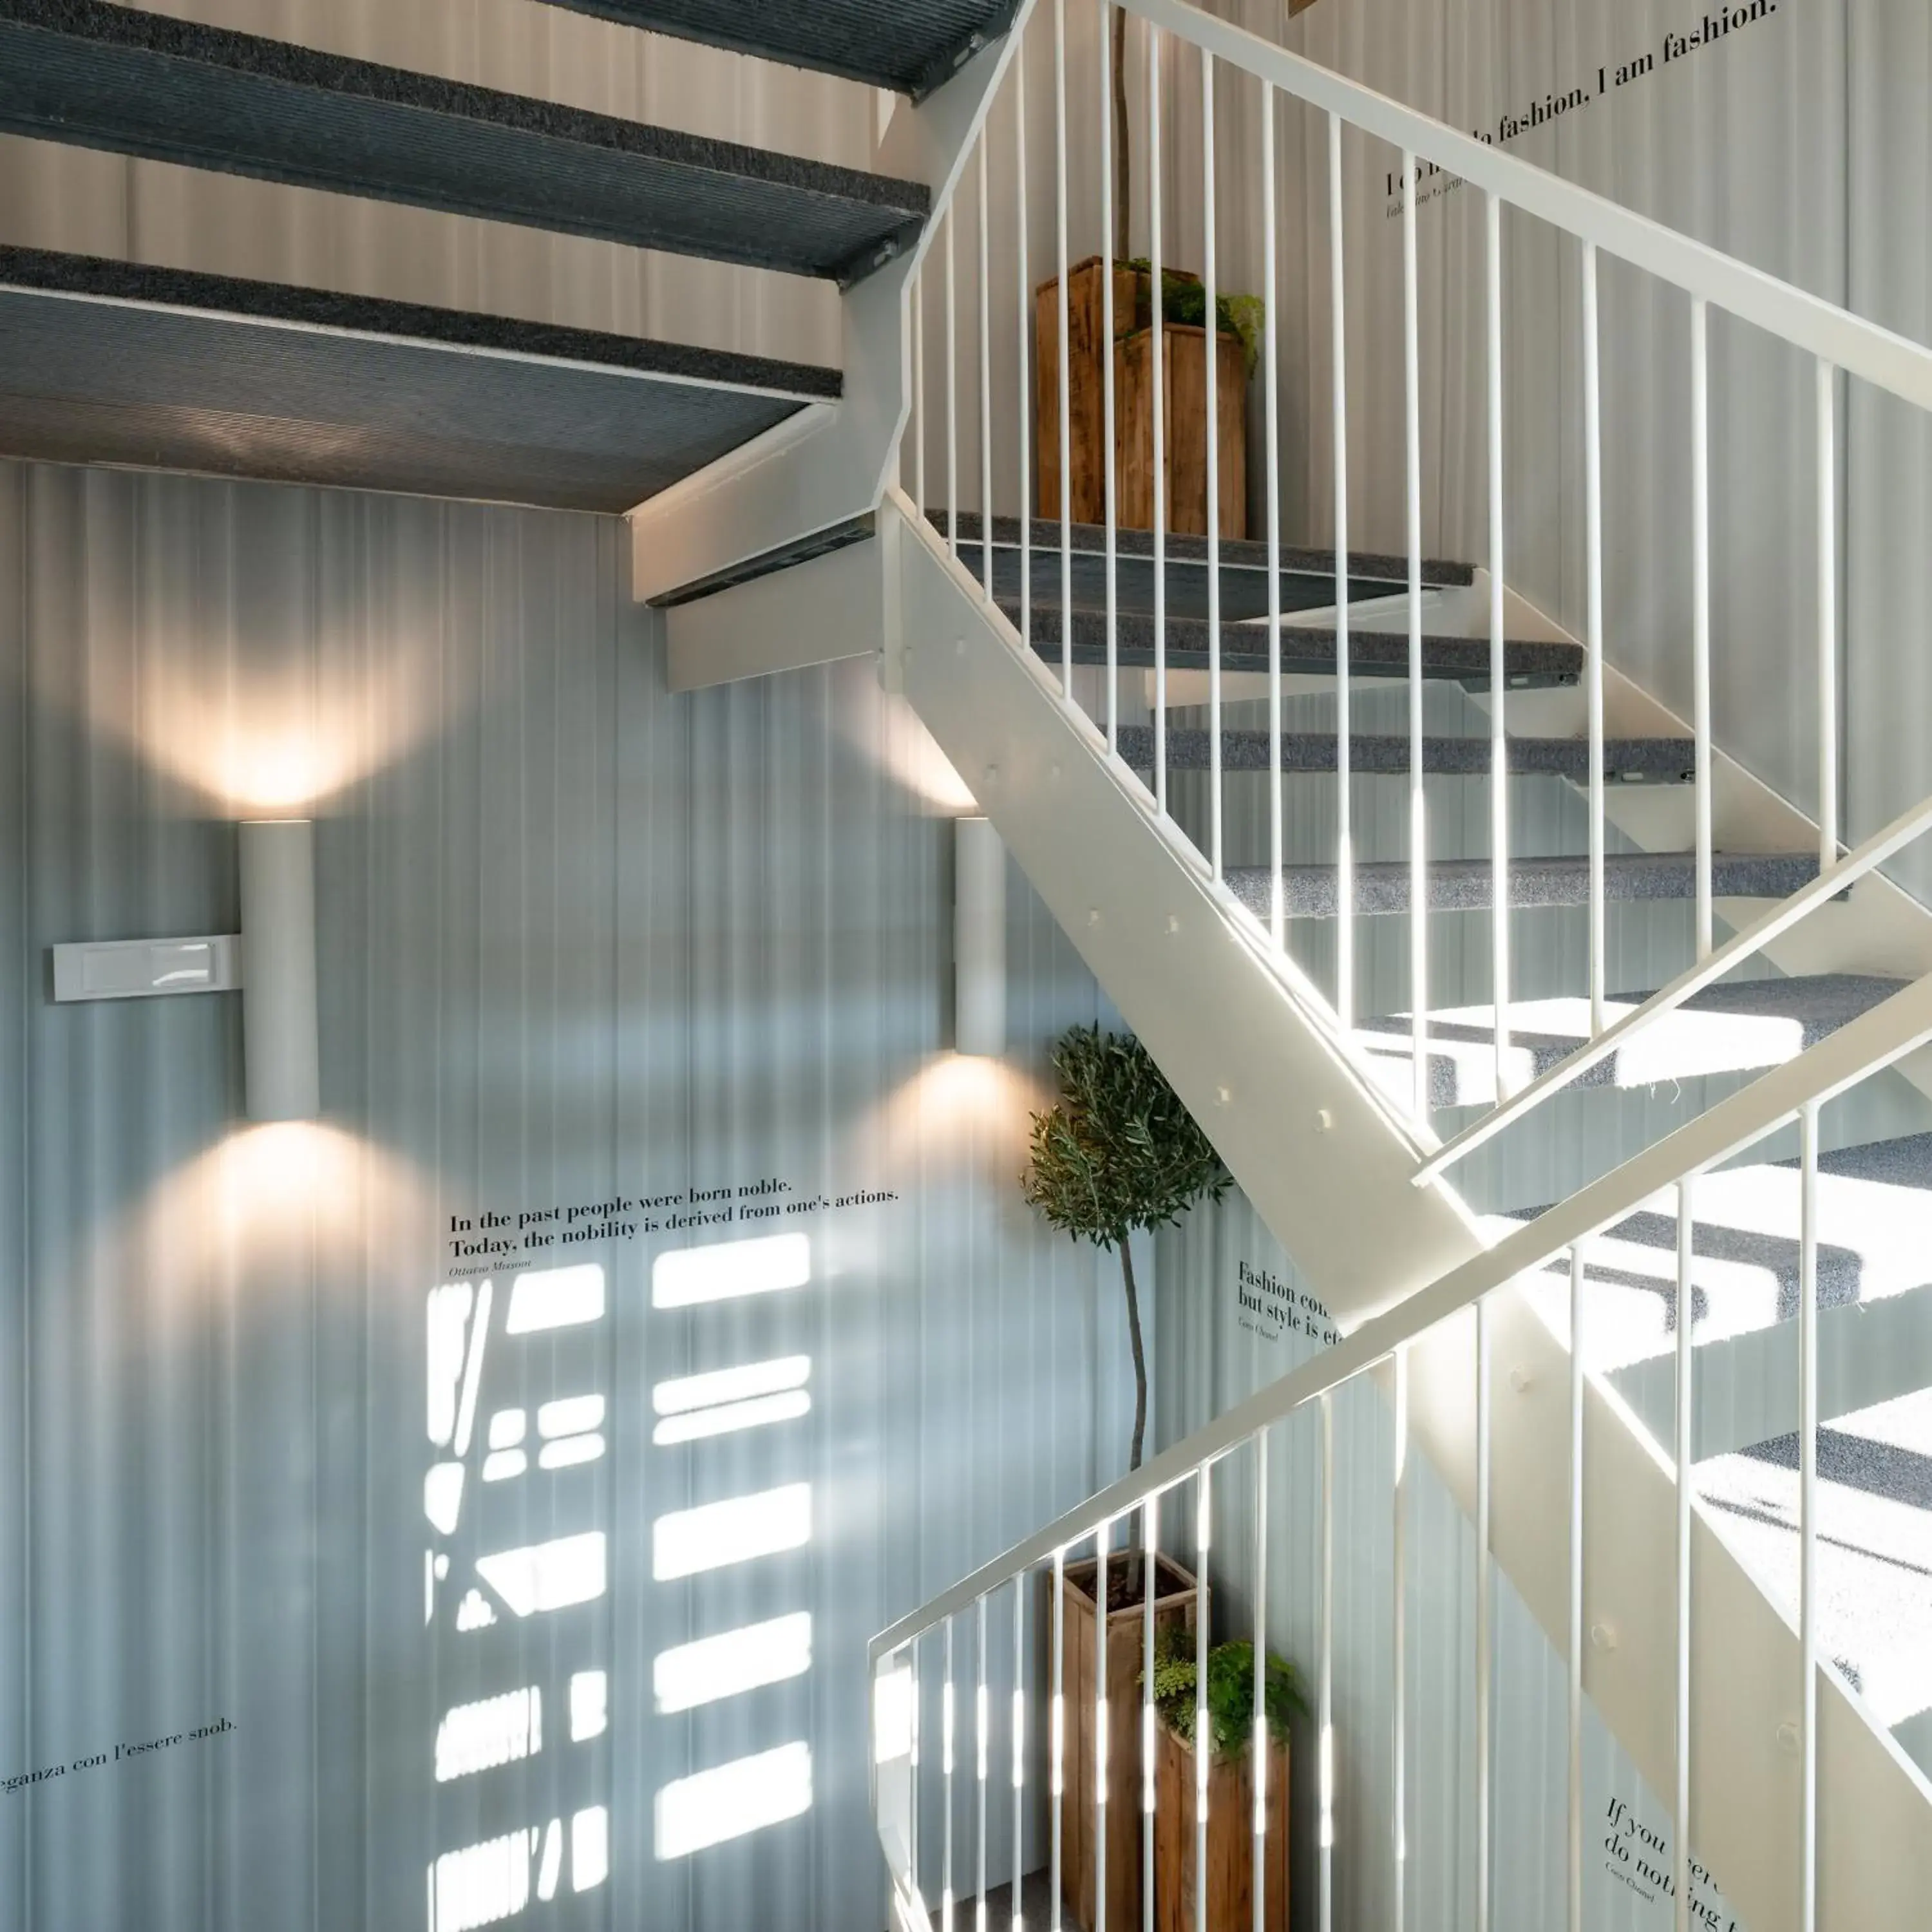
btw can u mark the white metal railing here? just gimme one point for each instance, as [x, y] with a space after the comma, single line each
[1228, 60]
[1795, 1093]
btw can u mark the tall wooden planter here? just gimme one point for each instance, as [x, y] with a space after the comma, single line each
[1184, 402]
[1174, 1607]
[1231, 1842]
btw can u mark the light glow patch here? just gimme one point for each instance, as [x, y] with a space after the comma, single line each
[589, 1705]
[548, 1872]
[685, 1392]
[474, 1613]
[501, 1464]
[731, 1417]
[590, 1848]
[556, 1298]
[544, 1577]
[686, 1542]
[443, 1495]
[449, 1318]
[685, 1277]
[732, 1661]
[496, 1730]
[572, 1450]
[733, 1800]
[892, 1715]
[570, 1415]
[481, 1885]
[508, 1427]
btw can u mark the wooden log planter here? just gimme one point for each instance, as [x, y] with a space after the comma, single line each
[1184, 403]
[1231, 1839]
[1174, 1597]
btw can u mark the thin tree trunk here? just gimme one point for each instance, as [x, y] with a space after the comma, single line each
[1123, 159]
[1140, 1355]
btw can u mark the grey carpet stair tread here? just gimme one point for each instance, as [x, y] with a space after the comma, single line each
[1306, 649]
[1306, 581]
[1879, 1468]
[1817, 1004]
[1463, 885]
[144, 84]
[1626, 760]
[116, 362]
[911, 45]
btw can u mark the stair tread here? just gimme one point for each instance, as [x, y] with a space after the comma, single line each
[1661, 760]
[119, 362]
[1731, 1028]
[911, 45]
[1463, 885]
[97, 75]
[1305, 579]
[1306, 649]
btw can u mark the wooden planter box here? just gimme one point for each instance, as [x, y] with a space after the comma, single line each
[1184, 430]
[1230, 1840]
[1174, 1607]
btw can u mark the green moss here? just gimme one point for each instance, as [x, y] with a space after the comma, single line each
[1184, 301]
[1231, 1690]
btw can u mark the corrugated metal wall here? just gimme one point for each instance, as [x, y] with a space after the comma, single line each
[578, 938]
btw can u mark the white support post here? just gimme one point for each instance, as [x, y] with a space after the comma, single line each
[1150, 1754]
[1109, 449]
[1271, 387]
[917, 300]
[1203, 1507]
[1101, 1538]
[952, 391]
[1344, 855]
[1019, 1743]
[1418, 807]
[1593, 577]
[1065, 352]
[1700, 606]
[1807, 1516]
[912, 1754]
[982, 1715]
[1680, 1850]
[1485, 1619]
[1157, 385]
[986, 380]
[945, 1730]
[1023, 436]
[1056, 1776]
[1258, 1882]
[1325, 1719]
[1499, 796]
[1574, 1659]
[1398, 1656]
[1827, 615]
[1211, 350]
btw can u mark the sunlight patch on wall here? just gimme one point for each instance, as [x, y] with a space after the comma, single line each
[443, 1495]
[493, 1731]
[715, 1535]
[590, 1848]
[716, 1667]
[500, 1466]
[712, 1807]
[726, 1400]
[685, 1277]
[556, 1298]
[543, 1576]
[892, 1715]
[481, 1885]
[589, 1705]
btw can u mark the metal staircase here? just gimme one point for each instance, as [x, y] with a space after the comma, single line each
[1180, 738]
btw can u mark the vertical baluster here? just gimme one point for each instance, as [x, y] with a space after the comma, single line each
[1344, 855]
[1827, 615]
[1499, 803]
[1259, 1884]
[1807, 1516]
[1270, 378]
[1101, 1538]
[1150, 1531]
[982, 1715]
[1211, 348]
[1157, 384]
[986, 381]
[1056, 1781]
[1023, 440]
[919, 391]
[1203, 1732]
[1485, 1617]
[1418, 809]
[1109, 449]
[1325, 1742]
[1019, 1743]
[912, 1822]
[946, 1785]
[1686, 1228]
[1575, 1891]
[1700, 604]
[1398, 1651]
[1593, 577]
[1066, 373]
[951, 392]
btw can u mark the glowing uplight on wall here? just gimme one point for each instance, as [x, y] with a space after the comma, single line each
[978, 938]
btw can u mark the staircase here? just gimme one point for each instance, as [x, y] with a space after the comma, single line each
[1300, 810]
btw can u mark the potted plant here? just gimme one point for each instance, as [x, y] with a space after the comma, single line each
[1230, 1803]
[1118, 1154]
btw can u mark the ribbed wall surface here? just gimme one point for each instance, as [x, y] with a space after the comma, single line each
[577, 938]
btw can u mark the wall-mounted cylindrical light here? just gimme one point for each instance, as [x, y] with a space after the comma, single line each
[979, 938]
[281, 1058]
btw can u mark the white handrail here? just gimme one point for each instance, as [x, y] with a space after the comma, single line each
[1878, 1038]
[1877, 355]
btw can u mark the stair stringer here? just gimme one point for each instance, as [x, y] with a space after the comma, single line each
[1328, 1169]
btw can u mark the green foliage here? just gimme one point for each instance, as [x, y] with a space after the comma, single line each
[1184, 301]
[1119, 1152]
[1231, 1690]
